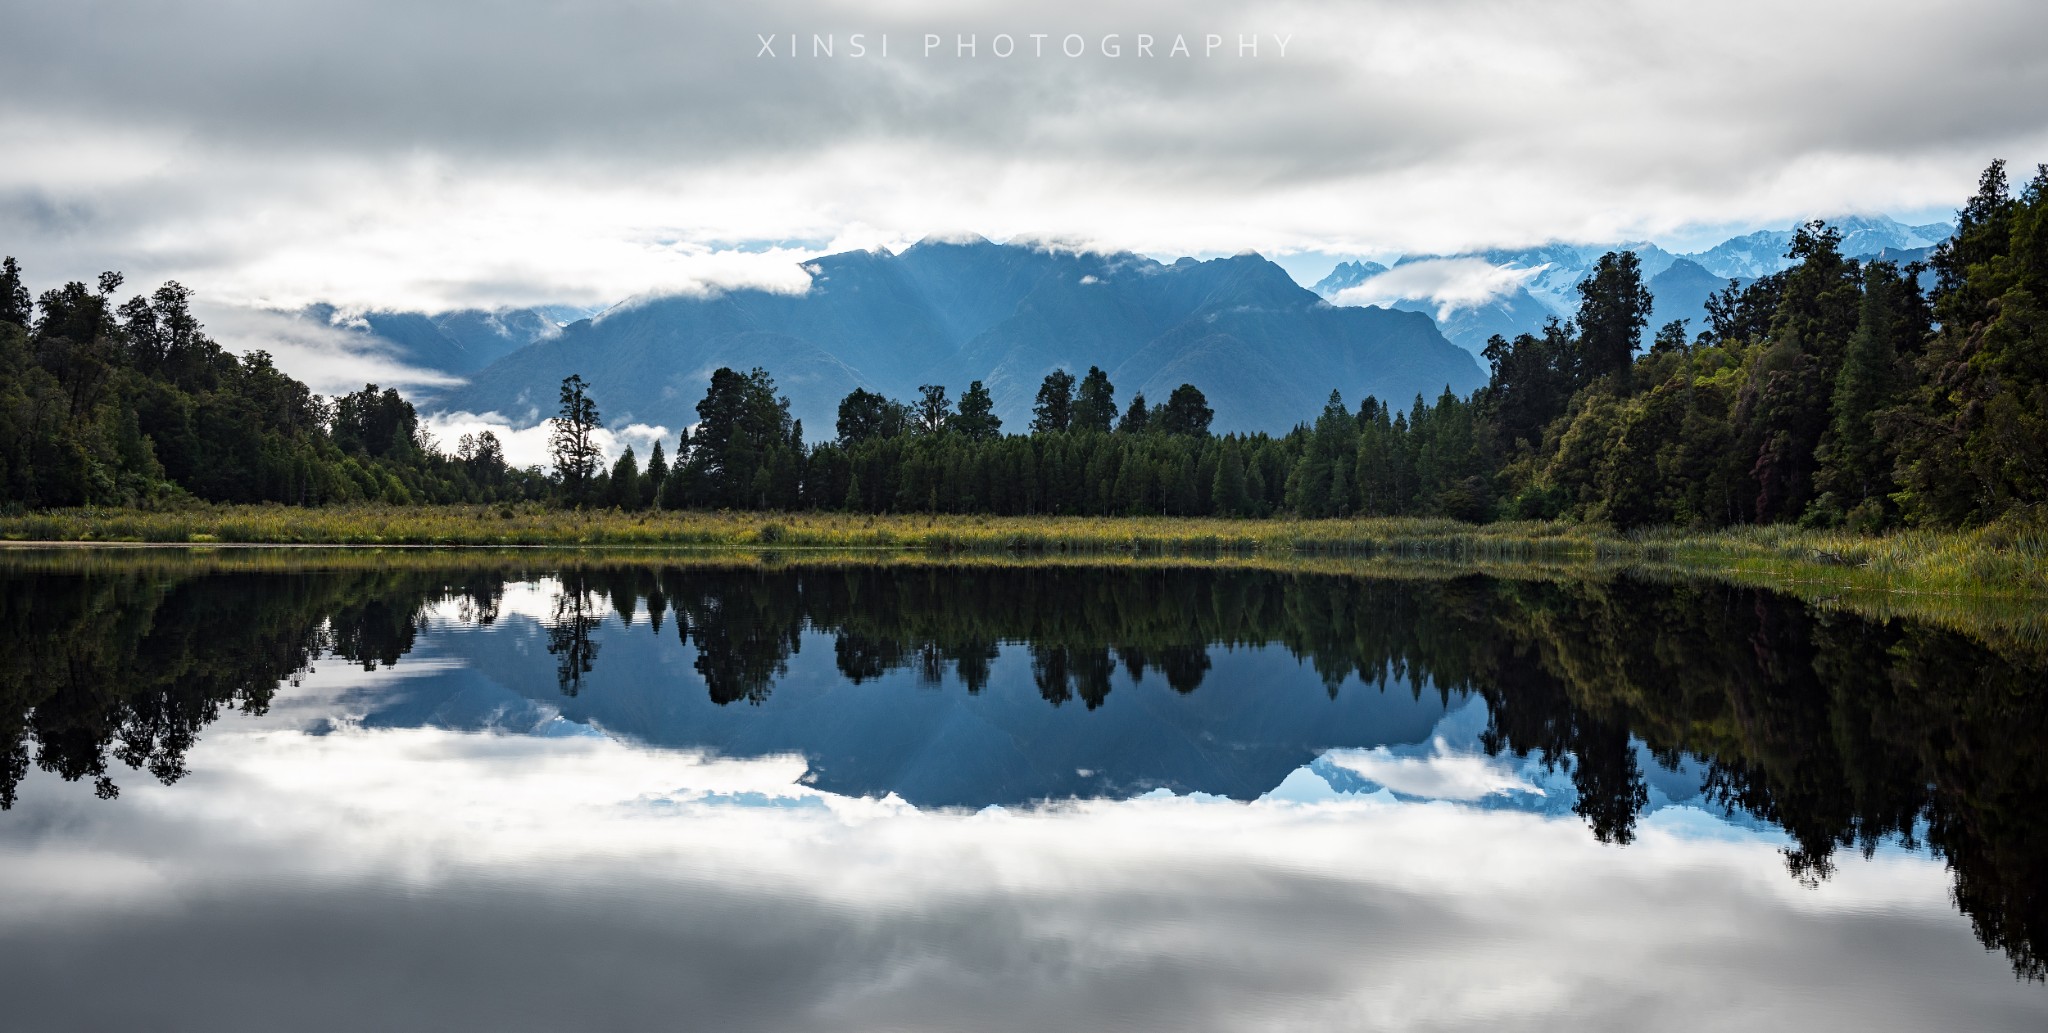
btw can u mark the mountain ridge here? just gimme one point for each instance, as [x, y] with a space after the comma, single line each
[1545, 277]
[951, 312]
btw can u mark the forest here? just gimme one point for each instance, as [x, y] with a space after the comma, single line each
[131, 404]
[1836, 394]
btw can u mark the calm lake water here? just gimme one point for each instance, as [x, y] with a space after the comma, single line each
[312, 791]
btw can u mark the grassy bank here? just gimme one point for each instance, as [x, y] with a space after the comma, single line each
[2008, 559]
[1990, 583]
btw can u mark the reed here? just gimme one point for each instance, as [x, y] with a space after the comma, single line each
[2007, 560]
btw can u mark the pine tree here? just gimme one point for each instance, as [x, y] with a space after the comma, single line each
[1255, 489]
[675, 490]
[624, 488]
[1137, 419]
[1613, 308]
[650, 481]
[1320, 483]
[1855, 474]
[15, 306]
[573, 441]
[932, 409]
[1054, 410]
[977, 420]
[1185, 413]
[1095, 404]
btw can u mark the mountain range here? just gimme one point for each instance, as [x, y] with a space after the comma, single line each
[1264, 350]
[1539, 282]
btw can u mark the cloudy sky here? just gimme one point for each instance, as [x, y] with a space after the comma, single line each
[399, 154]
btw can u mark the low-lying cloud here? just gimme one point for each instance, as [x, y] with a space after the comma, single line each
[330, 359]
[525, 440]
[1452, 283]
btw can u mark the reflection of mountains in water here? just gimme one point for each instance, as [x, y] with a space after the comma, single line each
[1258, 715]
[1258, 718]
[972, 684]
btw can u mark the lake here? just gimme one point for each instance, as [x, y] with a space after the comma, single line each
[323, 790]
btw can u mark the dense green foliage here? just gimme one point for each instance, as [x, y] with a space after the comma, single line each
[132, 404]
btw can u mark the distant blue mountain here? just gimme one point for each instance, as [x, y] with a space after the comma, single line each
[459, 342]
[1681, 292]
[1265, 351]
[1549, 275]
[1347, 274]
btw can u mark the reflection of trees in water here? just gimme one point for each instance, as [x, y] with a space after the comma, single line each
[1844, 732]
[575, 617]
[106, 666]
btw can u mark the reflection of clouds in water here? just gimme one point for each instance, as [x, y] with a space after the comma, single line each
[380, 879]
[535, 599]
[1438, 775]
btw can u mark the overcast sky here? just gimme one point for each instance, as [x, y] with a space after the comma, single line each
[402, 154]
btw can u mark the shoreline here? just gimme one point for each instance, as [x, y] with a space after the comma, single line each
[2003, 563]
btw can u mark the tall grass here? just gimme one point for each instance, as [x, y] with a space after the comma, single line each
[2007, 559]
[1987, 584]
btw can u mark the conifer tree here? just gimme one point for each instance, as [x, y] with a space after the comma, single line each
[1185, 413]
[1054, 410]
[1613, 308]
[623, 491]
[573, 441]
[1136, 419]
[1095, 403]
[977, 420]
[651, 480]
[932, 409]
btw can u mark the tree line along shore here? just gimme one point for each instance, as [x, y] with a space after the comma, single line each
[1835, 396]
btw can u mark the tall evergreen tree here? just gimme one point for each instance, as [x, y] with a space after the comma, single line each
[933, 409]
[1614, 306]
[1319, 486]
[15, 306]
[977, 420]
[623, 490]
[1054, 410]
[1229, 494]
[1095, 403]
[572, 443]
[867, 416]
[740, 419]
[650, 481]
[1186, 413]
[1855, 469]
[1137, 419]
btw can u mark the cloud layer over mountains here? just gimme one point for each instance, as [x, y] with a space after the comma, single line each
[1507, 291]
[432, 157]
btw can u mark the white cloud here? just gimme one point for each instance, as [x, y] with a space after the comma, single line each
[1453, 283]
[621, 148]
[330, 359]
[526, 441]
[1441, 775]
[1156, 913]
